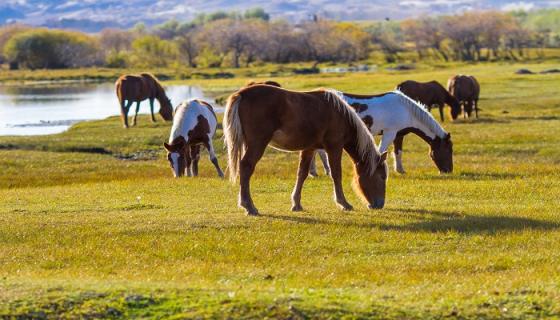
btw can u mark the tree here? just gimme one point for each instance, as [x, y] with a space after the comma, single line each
[256, 13]
[426, 33]
[151, 51]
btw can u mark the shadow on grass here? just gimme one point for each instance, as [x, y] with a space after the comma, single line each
[471, 175]
[433, 222]
[480, 120]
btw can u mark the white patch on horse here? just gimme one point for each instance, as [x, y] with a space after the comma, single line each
[175, 162]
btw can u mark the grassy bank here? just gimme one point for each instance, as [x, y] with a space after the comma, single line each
[93, 225]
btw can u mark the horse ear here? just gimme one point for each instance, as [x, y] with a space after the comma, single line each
[448, 136]
[167, 146]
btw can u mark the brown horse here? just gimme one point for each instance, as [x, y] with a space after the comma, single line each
[430, 94]
[137, 88]
[260, 115]
[467, 91]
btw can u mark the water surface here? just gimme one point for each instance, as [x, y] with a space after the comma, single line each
[46, 108]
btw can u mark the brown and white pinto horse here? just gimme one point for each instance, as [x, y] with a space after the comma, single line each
[194, 125]
[467, 91]
[260, 115]
[429, 94]
[137, 88]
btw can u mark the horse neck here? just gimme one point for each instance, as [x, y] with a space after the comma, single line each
[160, 94]
[423, 131]
[351, 147]
[448, 98]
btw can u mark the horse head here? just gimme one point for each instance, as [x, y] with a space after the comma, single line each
[441, 152]
[455, 107]
[166, 109]
[176, 155]
[372, 186]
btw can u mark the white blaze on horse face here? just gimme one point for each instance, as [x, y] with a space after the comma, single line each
[175, 163]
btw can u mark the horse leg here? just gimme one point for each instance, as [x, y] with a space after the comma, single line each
[188, 159]
[136, 114]
[440, 106]
[476, 108]
[386, 140]
[335, 158]
[305, 159]
[397, 153]
[313, 167]
[325, 161]
[252, 155]
[195, 156]
[152, 109]
[210, 147]
[124, 112]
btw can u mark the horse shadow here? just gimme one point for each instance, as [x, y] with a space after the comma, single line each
[433, 221]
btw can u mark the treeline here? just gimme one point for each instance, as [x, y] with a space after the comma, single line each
[223, 39]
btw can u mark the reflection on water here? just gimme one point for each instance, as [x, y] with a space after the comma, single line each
[52, 108]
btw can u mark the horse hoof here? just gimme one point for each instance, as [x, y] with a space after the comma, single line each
[313, 174]
[346, 207]
[252, 212]
[297, 208]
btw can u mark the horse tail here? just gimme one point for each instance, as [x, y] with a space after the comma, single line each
[233, 135]
[120, 96]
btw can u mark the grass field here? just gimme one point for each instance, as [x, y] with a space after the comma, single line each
[93, 225]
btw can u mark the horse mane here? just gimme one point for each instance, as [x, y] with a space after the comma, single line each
[177, 126]
[420, 112]
[158, 84]
[364, 138]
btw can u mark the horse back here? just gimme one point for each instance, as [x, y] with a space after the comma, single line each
[133, 88]
[270, 110]
[428, 93]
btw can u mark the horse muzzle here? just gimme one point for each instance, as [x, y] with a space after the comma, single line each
[377, 204]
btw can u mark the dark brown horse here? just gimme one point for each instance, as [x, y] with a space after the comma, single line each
[467, 91]
[430, 94]
[260, 115]
[137, 88]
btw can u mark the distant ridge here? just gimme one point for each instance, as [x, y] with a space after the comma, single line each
[92, 16]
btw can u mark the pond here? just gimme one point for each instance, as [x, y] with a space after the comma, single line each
[47, 108]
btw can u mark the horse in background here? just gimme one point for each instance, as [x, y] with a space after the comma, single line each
[137, 88]
[194, 125]
[261, 115]
[466, 90]
[429, 94]
[394, 115]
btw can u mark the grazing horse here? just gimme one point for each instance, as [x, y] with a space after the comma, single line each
[430, 94]
[394, 115]
[195, 124]
[467, 91]
[260, 115]
[137, 88]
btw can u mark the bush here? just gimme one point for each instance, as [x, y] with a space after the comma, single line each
[116, 59]
[42, 48]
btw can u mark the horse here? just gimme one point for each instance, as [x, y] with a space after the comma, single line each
[429, 94]
[394, 115]
[322, 155]
[194, 125]
[466, 90]
[262, 115]
[137, 88]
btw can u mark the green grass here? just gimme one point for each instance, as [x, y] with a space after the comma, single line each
[93, 225]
